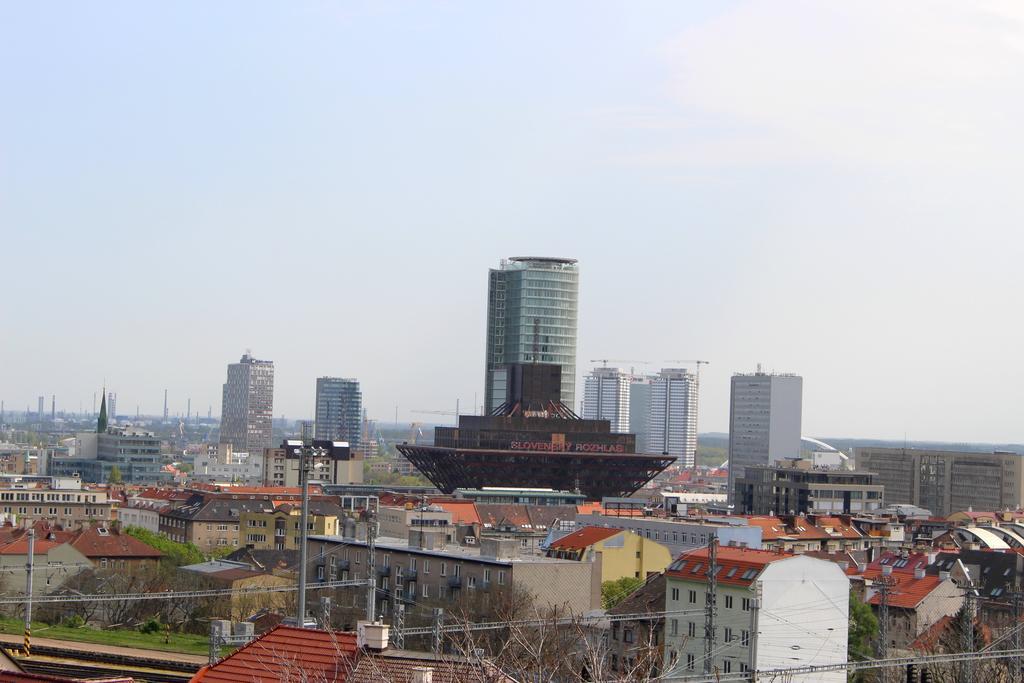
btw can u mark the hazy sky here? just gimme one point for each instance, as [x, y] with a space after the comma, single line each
[829, 188]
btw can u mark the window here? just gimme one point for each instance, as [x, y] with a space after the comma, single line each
[726, 666]
[457, 570]
[444, 569]
[728, 634]
[426, 566]
[487, 575]
[693, 597]
[627, 635]
[320, 572]
[426, 590]
[746, 604]
[745, 638]
[471, 582]
[691, 629]
[728, 602]
[675, 594]
[690, 661]
[412, 564]
[674, 627]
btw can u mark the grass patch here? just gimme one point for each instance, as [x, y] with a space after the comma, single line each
[179, 642]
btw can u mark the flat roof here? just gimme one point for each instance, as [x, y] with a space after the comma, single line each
[450, 552]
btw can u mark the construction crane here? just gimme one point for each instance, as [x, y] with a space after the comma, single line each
[605, 361]
[683, 360]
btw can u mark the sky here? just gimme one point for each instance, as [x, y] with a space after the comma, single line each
[830, 189]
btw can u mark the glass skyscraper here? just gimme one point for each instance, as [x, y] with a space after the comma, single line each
[339, 410]
[531, 318]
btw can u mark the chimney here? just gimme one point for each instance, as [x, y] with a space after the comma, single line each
[919, 573]
[421, 674]
[372, 635]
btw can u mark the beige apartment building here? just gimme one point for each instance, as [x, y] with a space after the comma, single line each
[340, 465]
[279, 529]
[946, 481]
[59, 500]
[424, 569]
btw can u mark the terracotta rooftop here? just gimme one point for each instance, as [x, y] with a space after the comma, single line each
[287, 653]
[96, 542]
[907, 591]
[584, 538]
[775, 528]
[462, 511]
[738, 566]
[398, 666]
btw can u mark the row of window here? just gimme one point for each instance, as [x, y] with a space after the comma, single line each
[745, 603]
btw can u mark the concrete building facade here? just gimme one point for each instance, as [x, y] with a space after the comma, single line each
[764, 420]
[795, 486]
[764, 601]
[532, 309]
[423, 569]
[248, 405]
[606, 397]
[945, 482]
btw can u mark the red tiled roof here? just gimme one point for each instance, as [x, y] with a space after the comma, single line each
[739, 566]
[397, 667]
[92, 543]
[907, 591]
[22, 677]
[463, 511]
[929, 641]
[774, 528]
[286, 653]
[19, 546]
[840, 529]
[584, 538]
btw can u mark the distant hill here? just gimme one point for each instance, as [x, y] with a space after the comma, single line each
[716, 440]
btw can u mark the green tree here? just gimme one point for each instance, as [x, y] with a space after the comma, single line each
[179, 554]
[862, 634]
[115, 475]
[614, 592]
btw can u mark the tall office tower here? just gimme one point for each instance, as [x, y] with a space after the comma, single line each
[42, 406]
[673, 415]
[606, 397]
[764, 420]
[339, 410]
[248, 406]
[165, 405]
[531, 318]
[112, 407]
[640, 412]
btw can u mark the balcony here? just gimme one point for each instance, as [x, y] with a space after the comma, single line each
[410, 574]
[384, 571]
[343, 565]
[485, 585]
[455, 582]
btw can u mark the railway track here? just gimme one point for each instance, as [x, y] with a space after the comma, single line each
[76, 663]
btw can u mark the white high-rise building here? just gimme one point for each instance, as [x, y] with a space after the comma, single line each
[640, 412]
[672, 416]
[248, 405]
[765, 413]
[606, 397]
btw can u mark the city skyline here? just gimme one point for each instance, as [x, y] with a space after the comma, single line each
[850, 217]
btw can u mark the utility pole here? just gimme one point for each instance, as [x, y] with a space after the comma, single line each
[28, 590]
[300, 618]
[711, 606]
[755, 605]
[438, 623]
[1018, 636]
[967, 633]
[883, 615]
[371, 563]
[398, 627]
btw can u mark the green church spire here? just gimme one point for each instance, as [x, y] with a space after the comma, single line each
[101, 422]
